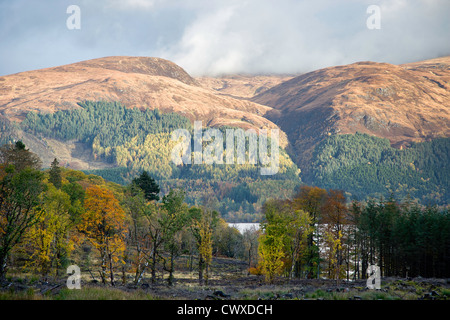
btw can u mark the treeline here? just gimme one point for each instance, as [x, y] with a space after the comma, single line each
[316, 233]
[109, 124]
[235, 201]
[129, 137]
[50, 219]
[367, 166]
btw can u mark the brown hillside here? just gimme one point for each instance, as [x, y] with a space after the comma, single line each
[243, 86]
[135, 81]
[403, 103]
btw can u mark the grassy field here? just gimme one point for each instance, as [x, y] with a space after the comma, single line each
[187, 287]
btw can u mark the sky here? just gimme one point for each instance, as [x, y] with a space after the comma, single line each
[215, 37]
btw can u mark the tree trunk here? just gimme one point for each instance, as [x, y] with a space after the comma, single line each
[124, 275]
[153, 266]
[3, 264]
[103, 268]
[292, 272]
[206, 273]
[200, 269]
[309, 261]
[111, 271]
[171, 268]
[139, 275]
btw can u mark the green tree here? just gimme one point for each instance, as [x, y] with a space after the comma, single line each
[292, 228]
[55, 174]
[19, 207]
[148, 185]
[271, 253]
[271, 242]
[17, 155]
[311, 200]
[138, 237]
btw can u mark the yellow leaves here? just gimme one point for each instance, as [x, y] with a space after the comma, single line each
[49, 238]
[333, 242]
[102, 208]
[205, 247]
[103, 222]
[152, 155]
[204, 239]
[271, 252]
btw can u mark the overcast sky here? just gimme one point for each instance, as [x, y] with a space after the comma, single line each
[211, 37]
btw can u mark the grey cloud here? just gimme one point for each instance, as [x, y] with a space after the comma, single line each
[214, 37]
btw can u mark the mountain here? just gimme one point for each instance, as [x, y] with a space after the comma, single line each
[403, 103]
[134, 81]
[142, 82]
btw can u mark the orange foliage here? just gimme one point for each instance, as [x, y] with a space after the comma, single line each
[104, 225]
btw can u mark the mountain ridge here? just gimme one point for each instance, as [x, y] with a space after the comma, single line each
[134, 81]
[405, 103]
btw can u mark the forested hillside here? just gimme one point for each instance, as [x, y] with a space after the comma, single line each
[365, 165]
[131, 140]
[134, 140]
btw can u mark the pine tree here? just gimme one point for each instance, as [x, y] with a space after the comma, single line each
[55, 174]
[148, 185]
[17, 155]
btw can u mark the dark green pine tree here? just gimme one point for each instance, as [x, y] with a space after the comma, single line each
[148, 185]
[55, 174]
[18, 156]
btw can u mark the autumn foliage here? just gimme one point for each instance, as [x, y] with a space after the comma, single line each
[103, 224]
[50, 219]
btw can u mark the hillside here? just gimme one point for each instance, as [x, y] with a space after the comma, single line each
[242, 85]
[134, 81]
[117, 143]
[140, 82]
[404, 103]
